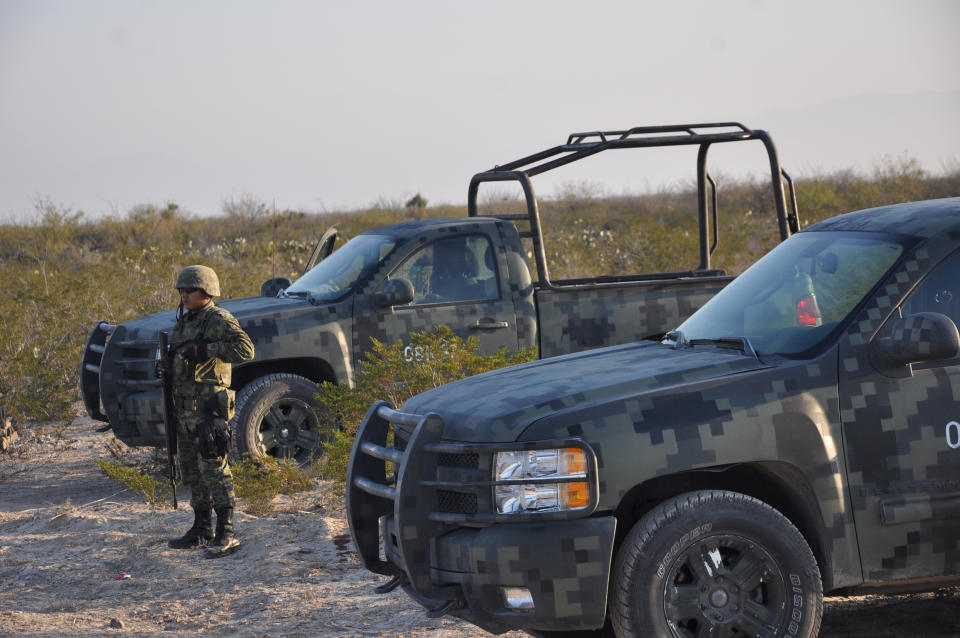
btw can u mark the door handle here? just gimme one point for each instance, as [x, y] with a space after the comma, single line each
[489, 324]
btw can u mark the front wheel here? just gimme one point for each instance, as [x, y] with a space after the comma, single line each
[715, 563]
[276, 416]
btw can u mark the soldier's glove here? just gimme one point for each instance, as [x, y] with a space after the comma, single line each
[194, 352]
[161, 369]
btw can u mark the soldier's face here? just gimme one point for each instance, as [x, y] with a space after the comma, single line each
[193, 299]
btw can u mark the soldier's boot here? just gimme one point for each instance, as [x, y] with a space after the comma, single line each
[199, 534]
[224, 542]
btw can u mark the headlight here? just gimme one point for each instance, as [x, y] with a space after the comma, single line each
[530, 495]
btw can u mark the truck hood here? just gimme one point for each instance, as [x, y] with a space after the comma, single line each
[497, 406]
[247, 310]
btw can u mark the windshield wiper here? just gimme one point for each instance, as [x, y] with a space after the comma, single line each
[302, 294]
[740, 343]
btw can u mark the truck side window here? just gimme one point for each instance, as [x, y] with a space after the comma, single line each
[452, 269]
[939, 292]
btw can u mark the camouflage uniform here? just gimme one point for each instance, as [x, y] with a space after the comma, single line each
[201, 391]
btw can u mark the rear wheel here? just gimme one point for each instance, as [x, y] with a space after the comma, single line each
[276, 416]
[715, 563]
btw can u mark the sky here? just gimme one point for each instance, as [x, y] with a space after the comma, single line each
[327, 106]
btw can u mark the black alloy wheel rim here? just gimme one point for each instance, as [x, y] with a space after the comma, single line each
[724, 586]
[289, 430]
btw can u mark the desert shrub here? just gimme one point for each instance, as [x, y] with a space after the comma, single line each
[258, 480]
[389, 373]
[43, 302]
[62, 272]
[153, 491]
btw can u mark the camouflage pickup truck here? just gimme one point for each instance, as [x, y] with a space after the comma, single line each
[800, 433]
[470, 274]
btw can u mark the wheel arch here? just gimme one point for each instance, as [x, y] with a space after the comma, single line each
[780, 485]
[313, 368]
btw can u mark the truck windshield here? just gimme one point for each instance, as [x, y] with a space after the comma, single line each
[792, 300]
[344, 270]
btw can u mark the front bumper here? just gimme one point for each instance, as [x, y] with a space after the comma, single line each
[453, 560]
[119, 385]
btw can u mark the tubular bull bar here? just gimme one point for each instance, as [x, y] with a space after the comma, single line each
[454, 563]
[119, 385]
[372, 497]
[90, 368]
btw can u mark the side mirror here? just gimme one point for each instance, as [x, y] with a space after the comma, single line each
[395, 292]
[925, 336]
[272, 287]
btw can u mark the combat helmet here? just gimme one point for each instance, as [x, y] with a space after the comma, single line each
[202, 277]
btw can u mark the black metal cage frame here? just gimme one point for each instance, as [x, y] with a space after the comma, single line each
[582, 145]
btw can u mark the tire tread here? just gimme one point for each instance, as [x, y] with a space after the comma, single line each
[244, 397]
[631, 552]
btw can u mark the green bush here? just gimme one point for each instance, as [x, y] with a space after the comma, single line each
[258, 480]
[62, 273]
[388, 373]
[153, 491]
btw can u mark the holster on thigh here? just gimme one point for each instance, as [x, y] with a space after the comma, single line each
[215, 437]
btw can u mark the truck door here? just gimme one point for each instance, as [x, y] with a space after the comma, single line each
[902, 437]
[456, 283]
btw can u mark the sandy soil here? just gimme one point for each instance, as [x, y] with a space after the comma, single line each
[68, 534]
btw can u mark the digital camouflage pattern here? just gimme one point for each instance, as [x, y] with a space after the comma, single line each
[584, 319]
[322, 337]
[201, 391]
[326, 341]
[904, 465]
[863, 457]
[202, 277]
[210, 480]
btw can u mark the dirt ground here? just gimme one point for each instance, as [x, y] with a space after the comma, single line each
[69, 535]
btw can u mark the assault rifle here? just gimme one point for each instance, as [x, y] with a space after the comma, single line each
[169, 421]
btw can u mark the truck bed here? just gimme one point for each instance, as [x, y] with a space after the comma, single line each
[579, 315]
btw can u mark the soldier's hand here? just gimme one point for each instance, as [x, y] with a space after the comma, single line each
[194, 352]
[161, 370]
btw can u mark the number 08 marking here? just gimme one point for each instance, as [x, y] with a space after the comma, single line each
[953, 434]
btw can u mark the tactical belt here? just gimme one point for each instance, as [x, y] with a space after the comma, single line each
[194, 404]
[186, 403]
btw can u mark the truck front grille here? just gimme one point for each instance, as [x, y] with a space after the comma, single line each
[468, 460]
[450, 502]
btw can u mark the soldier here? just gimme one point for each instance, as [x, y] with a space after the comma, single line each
[452, 278]
[421, 272]
[205, 342]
